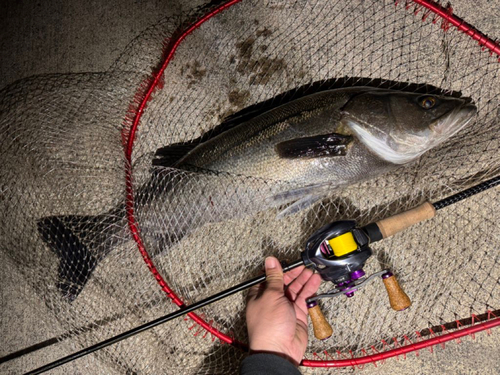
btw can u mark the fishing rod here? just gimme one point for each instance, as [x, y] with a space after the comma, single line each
[338, 252]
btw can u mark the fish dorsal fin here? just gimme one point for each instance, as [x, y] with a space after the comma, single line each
[168, 156]
[333, 144]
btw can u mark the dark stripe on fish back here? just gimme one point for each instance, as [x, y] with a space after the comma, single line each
[216, 149]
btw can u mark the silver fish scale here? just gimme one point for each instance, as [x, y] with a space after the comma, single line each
[249, 149]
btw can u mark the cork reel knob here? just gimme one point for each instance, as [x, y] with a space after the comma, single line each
[322, 329]
[397, 297]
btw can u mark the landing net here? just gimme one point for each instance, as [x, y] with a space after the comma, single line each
[81, 146]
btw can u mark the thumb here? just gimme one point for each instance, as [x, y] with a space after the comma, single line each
[274, 275]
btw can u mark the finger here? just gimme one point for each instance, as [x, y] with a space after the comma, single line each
[291, 275]
[311, 287]
[296, 285]
[274, 275]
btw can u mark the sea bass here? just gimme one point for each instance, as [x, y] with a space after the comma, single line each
[294, 154]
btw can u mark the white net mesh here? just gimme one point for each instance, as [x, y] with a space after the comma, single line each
[63, 167]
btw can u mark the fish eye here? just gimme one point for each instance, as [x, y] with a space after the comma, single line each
[427, 102]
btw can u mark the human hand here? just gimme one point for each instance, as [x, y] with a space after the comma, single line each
[277, 316]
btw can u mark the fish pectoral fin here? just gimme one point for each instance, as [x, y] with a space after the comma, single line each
[333, 144]
[292, 195]
[300, 198]
[299, 205]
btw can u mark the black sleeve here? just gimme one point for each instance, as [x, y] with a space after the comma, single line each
[267, 364]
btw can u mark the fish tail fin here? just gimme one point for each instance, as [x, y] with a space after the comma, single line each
[79, 242]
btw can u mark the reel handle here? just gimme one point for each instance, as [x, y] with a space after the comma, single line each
[322, 329]
[397, 297]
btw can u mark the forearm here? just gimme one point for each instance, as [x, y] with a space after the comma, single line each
[267, 364]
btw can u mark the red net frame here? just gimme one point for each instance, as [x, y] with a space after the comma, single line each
[132, 122]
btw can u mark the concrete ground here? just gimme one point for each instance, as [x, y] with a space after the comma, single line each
[72, 36]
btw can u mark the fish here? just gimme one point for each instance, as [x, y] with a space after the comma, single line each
[289, 157]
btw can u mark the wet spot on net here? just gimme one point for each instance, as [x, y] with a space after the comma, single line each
[264, 68]
[238, 98]
[264, 32]
[245, 48]
[194, 72]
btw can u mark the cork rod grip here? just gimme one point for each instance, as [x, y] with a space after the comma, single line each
[322, 329]
[397, 297]
[399, 222]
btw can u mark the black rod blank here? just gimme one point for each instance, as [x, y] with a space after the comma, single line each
[467, 193]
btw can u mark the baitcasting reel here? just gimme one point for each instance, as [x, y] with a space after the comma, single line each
[338, 252]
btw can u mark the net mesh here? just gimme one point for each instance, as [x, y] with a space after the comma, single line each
[62, 151]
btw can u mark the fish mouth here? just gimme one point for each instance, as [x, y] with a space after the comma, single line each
[442, 129]
[402, 150]
[452, 122]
